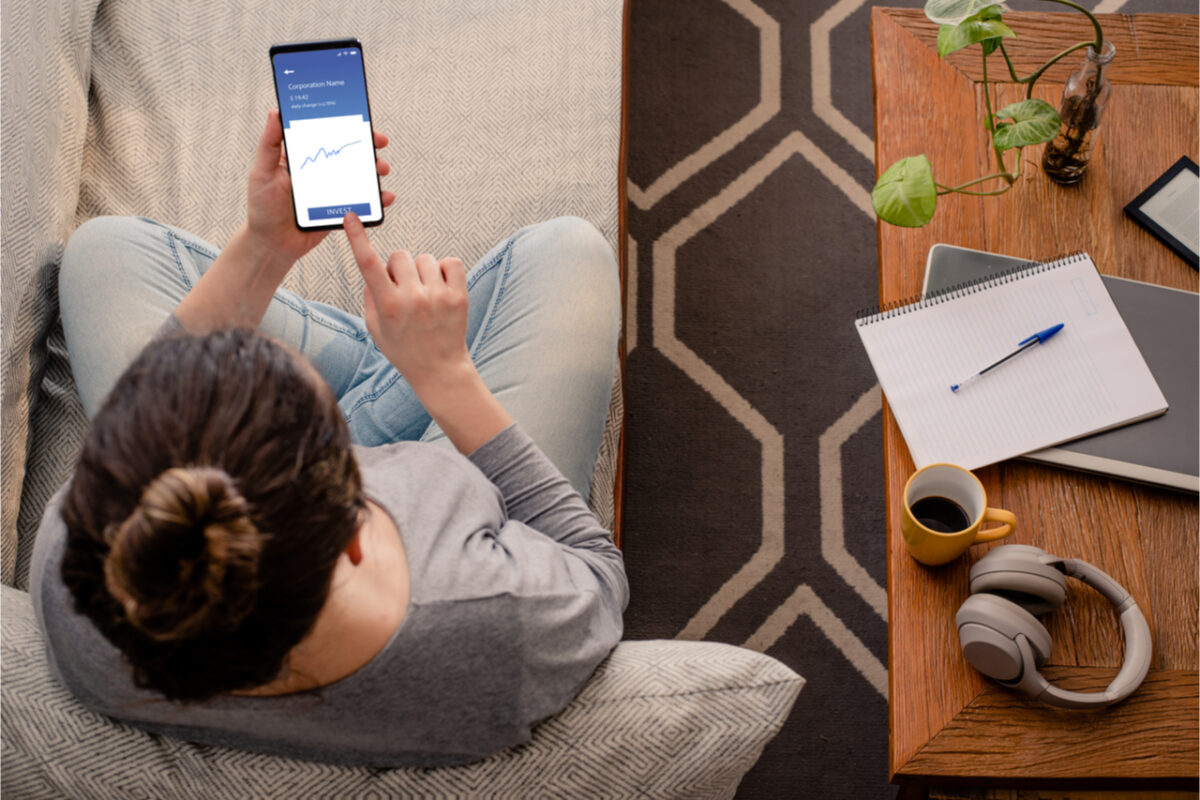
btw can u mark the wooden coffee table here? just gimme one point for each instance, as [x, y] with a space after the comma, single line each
[949, 725]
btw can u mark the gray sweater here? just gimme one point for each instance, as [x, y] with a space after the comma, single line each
[516, 597]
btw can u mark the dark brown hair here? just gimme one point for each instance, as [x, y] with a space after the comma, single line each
[214, 495]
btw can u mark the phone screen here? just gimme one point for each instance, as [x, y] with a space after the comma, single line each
[327, 135]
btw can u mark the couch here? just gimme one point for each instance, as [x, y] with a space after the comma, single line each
[500, 114]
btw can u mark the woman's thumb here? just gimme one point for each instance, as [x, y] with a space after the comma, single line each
[270, 144]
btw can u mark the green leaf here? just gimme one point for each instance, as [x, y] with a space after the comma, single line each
[1033, 122]
[952, 12]
[970, 31]
[905, 194]
[991, 12]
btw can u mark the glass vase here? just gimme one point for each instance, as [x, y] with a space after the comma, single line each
[1066, 157]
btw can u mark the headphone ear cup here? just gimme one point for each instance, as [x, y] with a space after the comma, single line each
[1017, 573]
[988, 627]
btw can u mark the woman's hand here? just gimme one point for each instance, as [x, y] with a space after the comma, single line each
[270, 220]
[416, 311]
[238, 287]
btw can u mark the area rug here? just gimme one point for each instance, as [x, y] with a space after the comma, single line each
[753, 509]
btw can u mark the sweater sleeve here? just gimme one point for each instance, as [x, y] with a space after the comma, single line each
[567, 612]
[171, 327]
[538, 495]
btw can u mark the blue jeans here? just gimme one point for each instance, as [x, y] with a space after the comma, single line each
[542, 327]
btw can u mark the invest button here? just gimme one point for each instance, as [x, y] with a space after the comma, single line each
[337, 212]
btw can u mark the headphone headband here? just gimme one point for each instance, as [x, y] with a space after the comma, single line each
[1096, 578]
[1136, 664]
[998, 642]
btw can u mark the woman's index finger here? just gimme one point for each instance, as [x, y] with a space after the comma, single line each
[369, 263]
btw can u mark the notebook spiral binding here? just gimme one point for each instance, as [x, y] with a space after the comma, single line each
[868, 316]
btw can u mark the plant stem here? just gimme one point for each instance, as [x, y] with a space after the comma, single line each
[962, 186]
[987, 98]
[1012, 71]
[987, 101]
[1010, 178]
[981, 194]
[1097, 43]
[1033, 76]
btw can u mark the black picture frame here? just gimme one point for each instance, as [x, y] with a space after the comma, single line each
[1134, 210]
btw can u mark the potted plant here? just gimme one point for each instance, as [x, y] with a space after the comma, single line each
[906, 193]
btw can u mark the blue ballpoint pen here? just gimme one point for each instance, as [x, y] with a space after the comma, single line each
[1025, 344]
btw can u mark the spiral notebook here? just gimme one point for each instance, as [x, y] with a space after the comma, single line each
[1088, 378]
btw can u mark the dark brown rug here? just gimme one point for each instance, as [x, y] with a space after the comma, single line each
[753, 487]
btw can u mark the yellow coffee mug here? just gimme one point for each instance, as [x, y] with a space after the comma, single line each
[943, 511]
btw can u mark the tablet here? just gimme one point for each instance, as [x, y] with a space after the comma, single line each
[1170, 209]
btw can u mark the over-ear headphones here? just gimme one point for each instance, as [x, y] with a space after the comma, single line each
[1002, 638]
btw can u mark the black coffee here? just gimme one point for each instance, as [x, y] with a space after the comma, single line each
[940, 514]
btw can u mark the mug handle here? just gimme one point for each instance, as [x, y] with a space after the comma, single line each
[1007, 518]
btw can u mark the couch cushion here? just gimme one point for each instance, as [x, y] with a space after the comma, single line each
[500, 114]
[658, 719]
[46, 62]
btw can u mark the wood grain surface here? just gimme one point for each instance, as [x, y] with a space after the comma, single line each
[979, 793]
[947, 721]
[1009, 719]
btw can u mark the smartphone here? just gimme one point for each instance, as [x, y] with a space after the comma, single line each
[327, 135]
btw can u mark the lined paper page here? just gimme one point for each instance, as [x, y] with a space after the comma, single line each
[1089, 377]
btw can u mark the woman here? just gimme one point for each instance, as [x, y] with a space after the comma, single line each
[227, 567]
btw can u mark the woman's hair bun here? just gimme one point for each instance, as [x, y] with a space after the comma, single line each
[185, 562]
